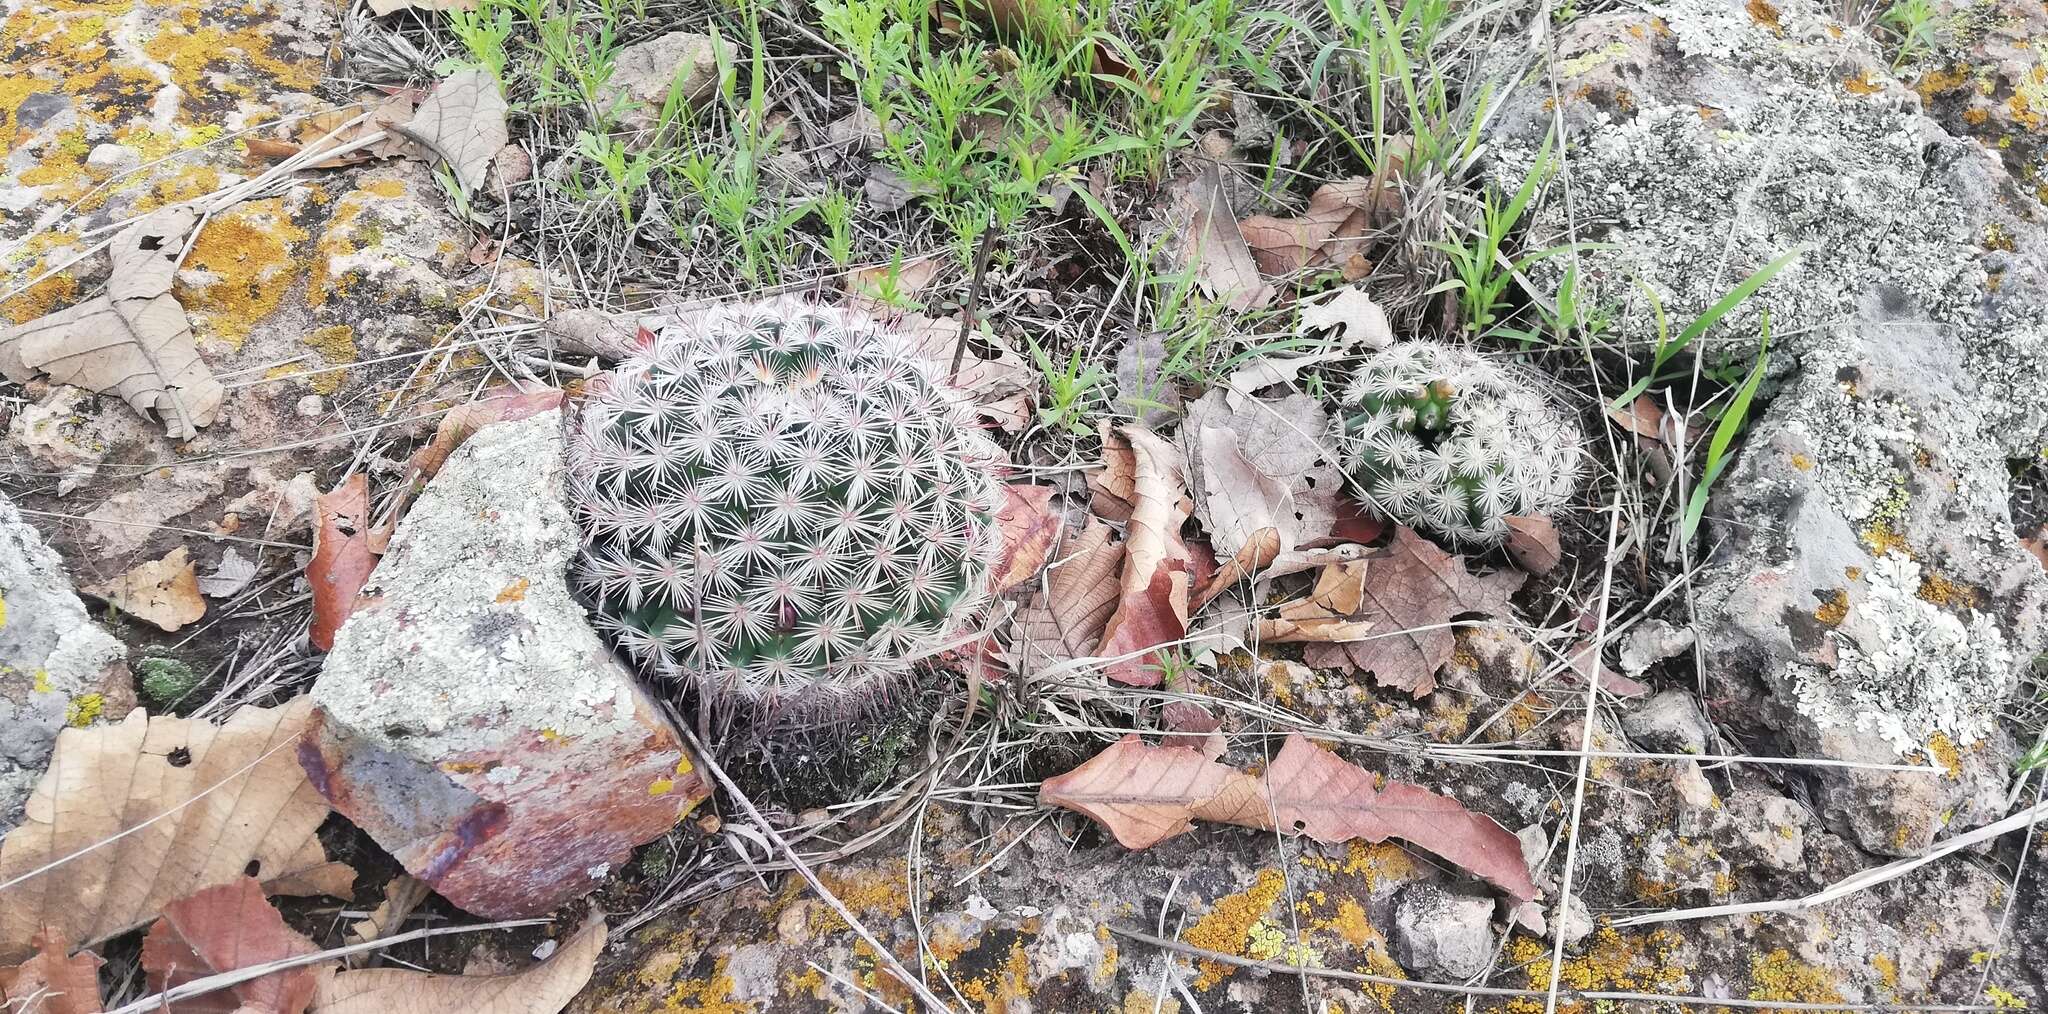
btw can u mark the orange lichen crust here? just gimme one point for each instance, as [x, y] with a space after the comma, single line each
[1780, 976]
[1228, 926]
[248, 257]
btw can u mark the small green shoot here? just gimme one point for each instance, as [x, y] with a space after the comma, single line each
[1667, 350]
[1068, 388]
[1732, 420]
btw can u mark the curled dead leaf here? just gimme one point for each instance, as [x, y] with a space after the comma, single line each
[1153, 592]
[1391, 613]
[1211, 243]
[163, 592]
[1532, 542]
[1029, 526]
[1064, 622]
[463, 121]
[1332, 230]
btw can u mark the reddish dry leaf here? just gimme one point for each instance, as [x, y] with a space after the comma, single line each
[1147, 794]
[1390, 614]
[1029, 525]
[221, 929]
[1330, 232]
[1317, 793]
[1064, 622]
[1191, 727]
[52, 982]
[1532, 541]
[1212, 244]
[1355, 523]
[1258, 553]
[1152, 603]
[1583, 660]
[342, 560]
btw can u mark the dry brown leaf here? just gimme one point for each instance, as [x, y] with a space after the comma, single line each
[1152, 602]
[1052, 24]
[134, 341]
[865, 287]
[134, 815]
[1642, 417]
[1260, 465]
[342, 558]
[1350, 316]
[1029, 526]
[163, 592]
[1259, 552]
[1532, 541]
[225, 928]
[338, 128]
[1390, 614]
[1211, 243]
[1330, 231]
[545, 988]
[1146, 794]
[53, 981]
[999, 386]
[1317, 793]
[463, 121]
[1064, 622]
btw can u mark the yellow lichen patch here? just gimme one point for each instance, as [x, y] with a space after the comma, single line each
[189, 183]
[337, 347]
[246, 252]
[62, 172]
[1765, 15]
[709, 995]
[1003, 984]
[1780, 976]
[1936, 82]
[1881, 539]
[1860, 83]
[197, 52]
[1836, 609]
[866, 891]
[1280, 681]
[385, 188]
[52, 293]
[1227, 928]
[1943, 592]
[1942, 750]
[1612, 961]
[82, 709]
[1353, 925]
[1802, 462]
[1887, 973]
[1139, 1001]
[809, 982]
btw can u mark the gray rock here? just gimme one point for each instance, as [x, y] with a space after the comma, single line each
[113, 157]
[56, 665]
[1650, 642]
[645, 71]
[1440, 932]
[1772, 825]
[470, 719]
[1668, 722]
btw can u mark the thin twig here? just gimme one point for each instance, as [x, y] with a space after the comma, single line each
[982, 253]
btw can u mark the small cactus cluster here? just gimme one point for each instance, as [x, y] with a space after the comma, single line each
[780, 507]
[1442, 439]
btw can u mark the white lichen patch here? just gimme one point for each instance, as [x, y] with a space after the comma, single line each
[1910, 671]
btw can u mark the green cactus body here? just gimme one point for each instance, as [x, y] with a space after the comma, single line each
[780, 507]
[1442, 439]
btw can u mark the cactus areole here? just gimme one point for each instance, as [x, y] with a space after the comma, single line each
[780, 507]
[1442, 439]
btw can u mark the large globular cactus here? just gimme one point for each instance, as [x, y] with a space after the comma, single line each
[780, 506]
[1443, 439]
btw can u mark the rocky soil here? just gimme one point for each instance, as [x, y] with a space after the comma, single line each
[1863, 593]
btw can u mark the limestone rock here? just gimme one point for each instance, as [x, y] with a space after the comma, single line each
[1668, 722]
[1438, 932]
[57, 667]
[646, 70]
[470, 719]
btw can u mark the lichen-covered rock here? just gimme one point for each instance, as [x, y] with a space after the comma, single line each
[1867, 597]
[57, 667]
[470, 720]
[1988, 79]
[1439, 932]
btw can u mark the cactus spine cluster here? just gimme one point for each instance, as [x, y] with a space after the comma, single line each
[1442, 439]
[780, 507]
